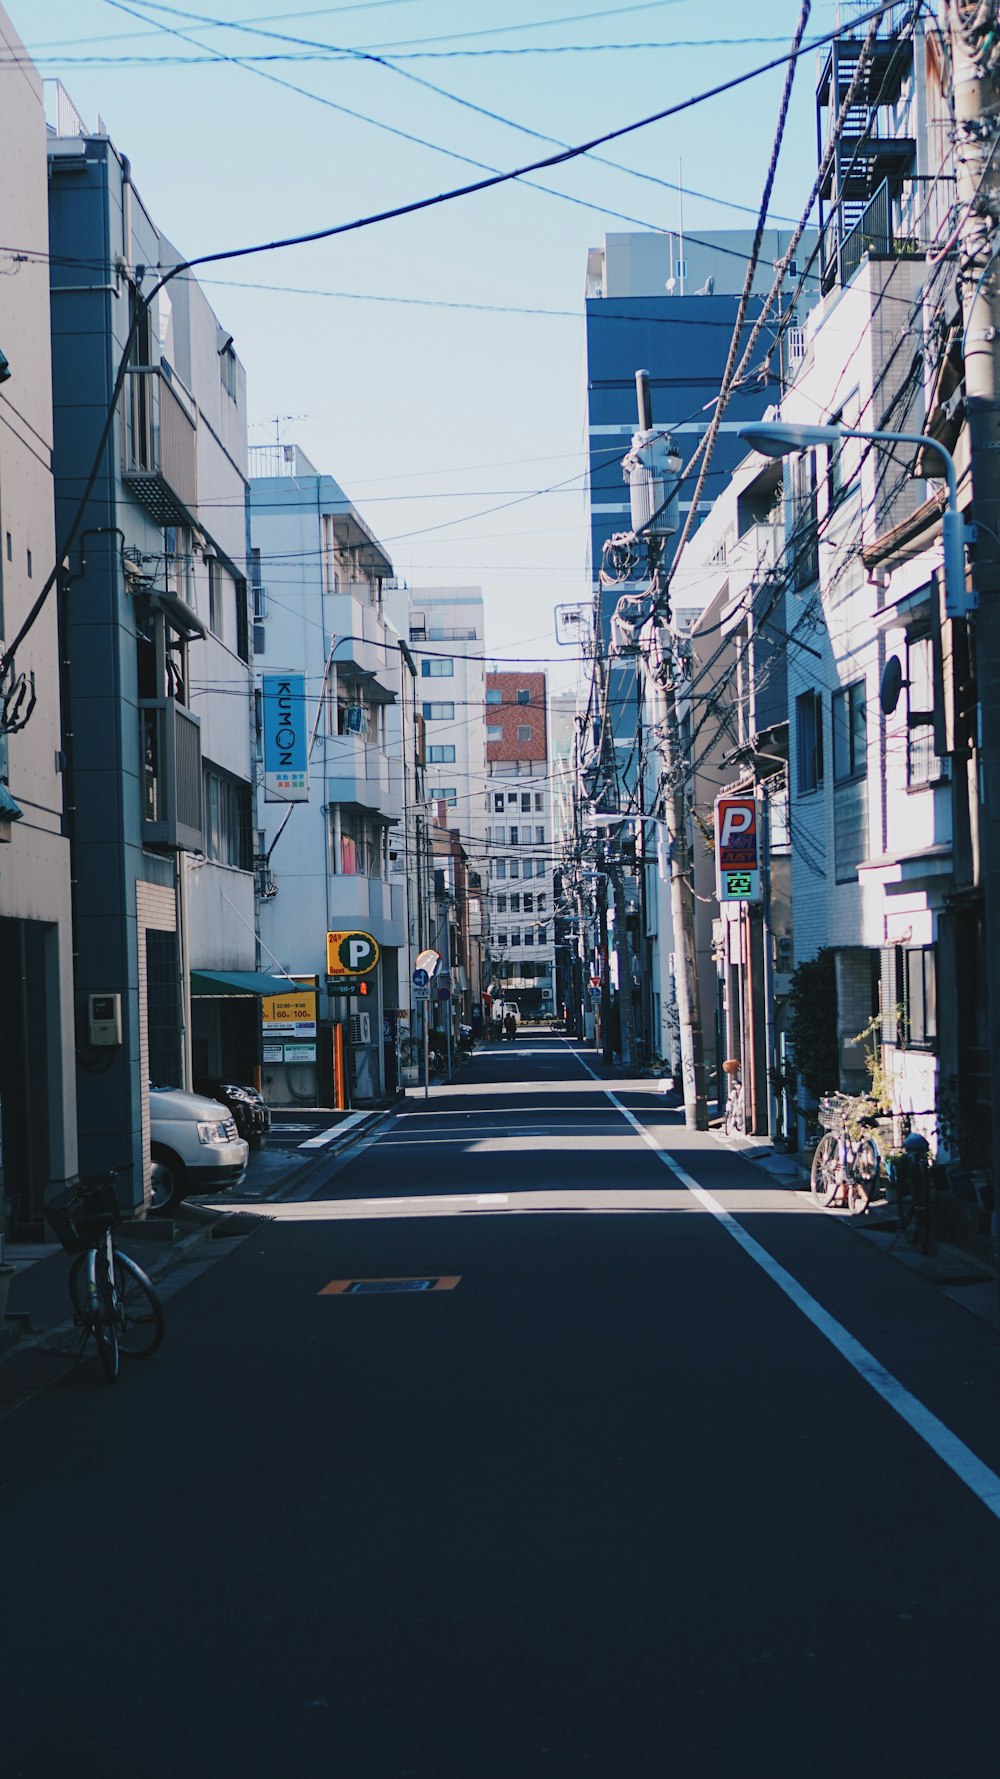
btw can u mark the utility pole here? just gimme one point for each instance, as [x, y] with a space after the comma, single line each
[977, 118]
[607, 1050]
[681, 888]
[651, 463]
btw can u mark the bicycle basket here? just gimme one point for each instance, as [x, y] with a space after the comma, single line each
[81, 1214]
[833, 1112]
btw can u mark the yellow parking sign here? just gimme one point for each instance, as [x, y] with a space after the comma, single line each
[350, 954]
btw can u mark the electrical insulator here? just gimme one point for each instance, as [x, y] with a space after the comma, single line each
[651, 470]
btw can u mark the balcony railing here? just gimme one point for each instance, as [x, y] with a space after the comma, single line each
[171, 775]
[159, 447]
[898, 222]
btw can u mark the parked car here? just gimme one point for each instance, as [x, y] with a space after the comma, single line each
[248, 1107]
[194, 1146]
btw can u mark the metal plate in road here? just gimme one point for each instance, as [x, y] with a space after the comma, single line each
[385, 1287]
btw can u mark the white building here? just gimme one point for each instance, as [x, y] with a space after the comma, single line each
[331, 864]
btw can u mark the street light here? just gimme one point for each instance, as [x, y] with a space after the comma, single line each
[778, 438]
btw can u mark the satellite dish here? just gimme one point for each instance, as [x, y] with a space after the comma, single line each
[891, 685]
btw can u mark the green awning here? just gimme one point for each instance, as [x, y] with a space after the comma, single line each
[240, 982]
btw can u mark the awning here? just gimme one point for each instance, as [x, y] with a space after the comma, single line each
[241, 982]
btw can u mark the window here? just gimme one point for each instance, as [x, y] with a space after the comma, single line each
[215, 620]
[441, 753]
[539, 836]
[850, 733]
[227, 369]
[538, 802]
[529, 902]
[922, 764]
[435, 712]
[501, 904]
[228, 820]
[543, 935]
[523, 695]
[515, 904]
[502, 941]
[515, 937]
[529, 937]
[512, 798]
[498, 870]
[524, 732]
[529, 867]
[513, 868]
[911, 981]
[498, 802]
[444, 793]
[493, 696]
[258, 589]
[438, 667]
[541, 903]
[525, 802]
[809, 741]
[494, 732]
[513, 836]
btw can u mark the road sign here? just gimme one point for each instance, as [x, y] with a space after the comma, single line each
[420, 978]
[345, 985]
[421, 991]
[350, 954]
[444, 991]
[737, 857]
[428, 960]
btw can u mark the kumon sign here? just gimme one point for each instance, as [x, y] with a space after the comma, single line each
[737, 854]
[286, 742]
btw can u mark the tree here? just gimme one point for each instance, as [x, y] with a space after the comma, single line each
[813, 1024]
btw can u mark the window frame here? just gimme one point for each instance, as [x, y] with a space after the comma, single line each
[853, 700]
[808, 724]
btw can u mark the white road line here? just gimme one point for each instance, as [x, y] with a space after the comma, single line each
[335, 1130]
[977, 1476]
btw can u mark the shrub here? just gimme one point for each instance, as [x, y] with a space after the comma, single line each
[813, 1023]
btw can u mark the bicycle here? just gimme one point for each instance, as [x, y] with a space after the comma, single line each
[112, 1298]
[845, 1164]
[736, 1111]
[911, 1177]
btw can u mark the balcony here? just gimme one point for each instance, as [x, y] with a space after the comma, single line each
[171, 776]
[899, 221]
[159, 446]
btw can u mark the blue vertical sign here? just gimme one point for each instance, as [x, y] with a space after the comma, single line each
[286, 741]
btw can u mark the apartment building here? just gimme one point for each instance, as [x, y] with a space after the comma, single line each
[37, 1037]
[156, 643]
[521, 854]
[446, 629]
[330, 837]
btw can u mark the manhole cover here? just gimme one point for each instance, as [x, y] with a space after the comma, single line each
[387, 1287]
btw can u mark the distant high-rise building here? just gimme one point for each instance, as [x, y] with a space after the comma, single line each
[519, 813]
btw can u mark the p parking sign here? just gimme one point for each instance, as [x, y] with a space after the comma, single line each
[350, 954]
[737, 856]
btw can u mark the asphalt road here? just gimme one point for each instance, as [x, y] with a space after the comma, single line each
[613, 1493]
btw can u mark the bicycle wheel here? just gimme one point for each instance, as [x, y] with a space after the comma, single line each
[862, 1176]
[824, 1175]
[140, 1312]
[104, 1317]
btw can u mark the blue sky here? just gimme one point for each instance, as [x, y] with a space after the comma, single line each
[426, 413]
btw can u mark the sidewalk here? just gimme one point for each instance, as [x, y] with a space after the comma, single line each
[39, 1344]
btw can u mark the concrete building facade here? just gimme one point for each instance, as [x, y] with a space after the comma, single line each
[519, 814]
[37, 1039]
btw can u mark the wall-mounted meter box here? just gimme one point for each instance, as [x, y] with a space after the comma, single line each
[104, 1019]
